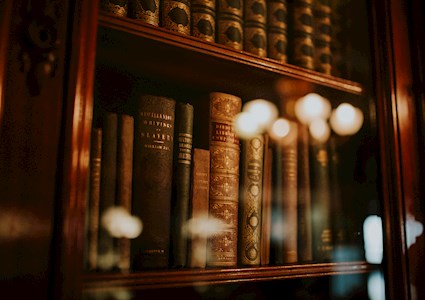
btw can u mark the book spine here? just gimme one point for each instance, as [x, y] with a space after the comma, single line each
[255, 37]
[251, 201]
[266, 210]
[94, 197]
[153, 159]
[181, 183]
[203, 19]
[304, 197]
[145, 11]
[175, 15]
[200, 188]
[125, 180]
[230, 23]
[302, 43]
[290, 198]
[321, 203]
[276, 251]
[277, 29]
[107, 184]
[117, 7]
[224, 179]
[322, 36]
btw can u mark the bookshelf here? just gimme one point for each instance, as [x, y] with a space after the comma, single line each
[55, 82]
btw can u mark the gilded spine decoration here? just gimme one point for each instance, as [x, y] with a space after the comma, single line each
[303, 47]
[277, 30]
[322, 36]
[251, 201]
[176, 15]
[117, 7]
[255, 37]
[230, 23]
[144, 10]
[224, 179]
[203, 19]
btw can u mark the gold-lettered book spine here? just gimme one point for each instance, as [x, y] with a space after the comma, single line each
[224, 179]
[250, 201]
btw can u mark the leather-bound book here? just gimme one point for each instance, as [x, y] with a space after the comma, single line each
[302, 50]
[199, 205]
[276, 232]
[144, 10]
[321, 202]
[255, 36]
[322, 36]
[125, 180]
[152, 181]
[230, 23]
[108, 178]
[94, 197]
[250, 201]
[305, 249]
[266, 209]
[224, 179]
[203, 19]
[277, 30]
[181, 183]
[117, 7]
[175, 15]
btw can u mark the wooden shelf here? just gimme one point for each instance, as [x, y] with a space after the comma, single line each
[134, 46]
[182, 278]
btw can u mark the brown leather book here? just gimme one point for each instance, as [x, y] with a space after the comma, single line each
[200, 187]
[224, 179]
[322, 36]
[145, 11]
[302, 50]
[277, 30]
[255, 36]
[203, 19]
[266, 210]
[175, 15]
[152, 183]
[230, 23]
[117, 7]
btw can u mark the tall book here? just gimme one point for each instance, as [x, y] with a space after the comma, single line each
[290, 196]
[266, 206]
[251, 192]
[321, 202]
[94, 197]
[152, 181]
[106, 247]
[200, 187]
[181, 183]
[145, 11]
[322, 36]
[302, 34]
[125, 180]
[305, 249]
[277, 30]
[277, 229]
[175, 15]
[224, 179]
[203, 19]
[117, 7]
[230, 23]
[255, 36]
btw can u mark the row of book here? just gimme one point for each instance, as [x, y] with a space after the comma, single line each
[306, 33]
[239, 202]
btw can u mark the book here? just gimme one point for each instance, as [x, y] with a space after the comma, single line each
[94, 197]
[277, 30]
[277, 229]
[117, 7]
[203, 19]
[266, 209]
[108, 175]
[290, 196]
[152, 180]
[224, 179]
[175, 15]
[321, 202]
[255, 36]
[305, 253]
[124, 180]
[322, 36]
[230, 23]
[145, 11]
[251, 191]
[302, 50]
[200, 187]
[181, 183]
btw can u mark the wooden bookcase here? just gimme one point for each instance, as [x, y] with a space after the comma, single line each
[54, 61]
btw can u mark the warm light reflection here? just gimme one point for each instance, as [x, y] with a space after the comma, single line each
[246, 125]
[373, 244]
[204, 226]
[264, 112]
[311, 107]
[346, 119]
[319, 130]
[280, 128]
[120, 224]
